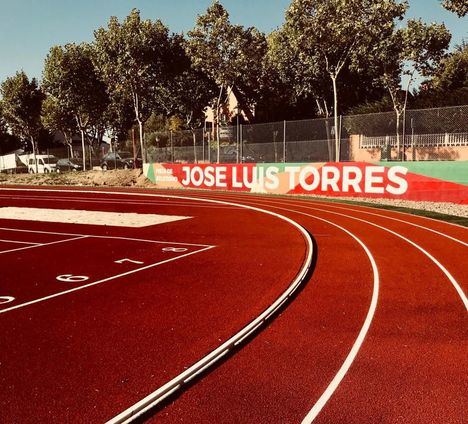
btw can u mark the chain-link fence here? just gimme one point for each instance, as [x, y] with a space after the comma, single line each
[427, 134]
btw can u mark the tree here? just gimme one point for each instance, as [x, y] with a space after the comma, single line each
[56, 117]
[21, 107]
[70, 78]
[334, 34]
[8, 142]
[460, 7]
[132, 58]
[191, 90]
[229, 55]
[416, 49]
[449, 83]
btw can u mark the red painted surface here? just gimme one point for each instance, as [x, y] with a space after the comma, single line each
[89, 355]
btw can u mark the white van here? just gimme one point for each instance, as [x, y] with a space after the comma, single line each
[45, 164]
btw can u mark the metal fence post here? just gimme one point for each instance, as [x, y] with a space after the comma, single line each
[284, 142]
[172, 147]
[339, 138]
[241, 144]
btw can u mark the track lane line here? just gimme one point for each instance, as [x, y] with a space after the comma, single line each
[176, 383]
[357, 208]
[17, 242]
[343, 370]
[110, 201]
[20, 230]
[393, 219]
[105, 280]
[42, 245]
[449, 276]
[156, 397]
[341, 202]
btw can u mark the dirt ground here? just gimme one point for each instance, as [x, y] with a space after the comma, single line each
[112, 178]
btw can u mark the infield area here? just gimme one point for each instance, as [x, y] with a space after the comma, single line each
[171, 306]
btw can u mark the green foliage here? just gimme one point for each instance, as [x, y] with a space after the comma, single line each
[452, 73]
[449, 85]
[460, 7]
[7, 141]
[70, 78]
[191, 90]
[228, 54]
[415, 49]
[21, 106]
[320, 38]
[55, 117]
[132, 58]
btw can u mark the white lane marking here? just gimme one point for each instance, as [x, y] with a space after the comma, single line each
[112, 201]
[42, 245]
[17, 241]
[87, 217]
[393, 219]
[452, 280]
[54, 233]
[376, 207]
[407, 214]
[52, 296]
[158, 395]
[338, 378]
[357, 208]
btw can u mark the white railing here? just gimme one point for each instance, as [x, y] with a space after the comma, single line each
[417, 140]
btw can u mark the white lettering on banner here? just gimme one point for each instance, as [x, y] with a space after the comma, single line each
[371, 179]
[221, 177]
[292, 171]
[235, 180]
[186, 179]
[305, 173]
[401, 183]
[210, 176]
[272, 181]
[330, 178]
[352, 177]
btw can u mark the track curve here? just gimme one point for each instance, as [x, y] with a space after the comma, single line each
[377, 335]
[417, 341]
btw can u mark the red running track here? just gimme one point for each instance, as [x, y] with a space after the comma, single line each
[377, 334]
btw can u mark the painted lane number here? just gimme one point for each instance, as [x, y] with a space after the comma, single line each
[174, 249]
[121, 261]
[70, 278]
[6, 299]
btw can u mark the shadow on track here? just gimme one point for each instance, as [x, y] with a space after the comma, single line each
[152, 413]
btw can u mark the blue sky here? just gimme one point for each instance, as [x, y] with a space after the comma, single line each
[28, 28]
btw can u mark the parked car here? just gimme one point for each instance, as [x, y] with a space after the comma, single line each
[67, 165]
[44, 164]
[119, 160]
[229, 155]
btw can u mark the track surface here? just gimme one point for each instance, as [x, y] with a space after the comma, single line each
[377, 334]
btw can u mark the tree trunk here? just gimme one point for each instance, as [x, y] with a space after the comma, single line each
[398, 114]
[33, 145]
[335, 113]
[194, 147]
[140, 130]
[83, 147]
[218, 105]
